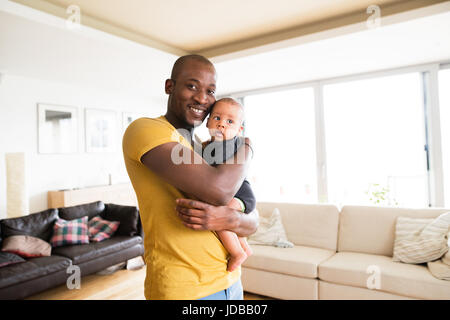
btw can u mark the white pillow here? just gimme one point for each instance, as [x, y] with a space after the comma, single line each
[271, 232]
[421, 240]
[446, 258]
[441, 268]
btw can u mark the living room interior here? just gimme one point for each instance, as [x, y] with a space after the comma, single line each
[347, 104]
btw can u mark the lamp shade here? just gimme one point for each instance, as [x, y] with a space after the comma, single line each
[17, 202]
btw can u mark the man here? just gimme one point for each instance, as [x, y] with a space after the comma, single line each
[184, 257]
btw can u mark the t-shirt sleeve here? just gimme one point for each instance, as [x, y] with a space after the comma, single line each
[145, 134]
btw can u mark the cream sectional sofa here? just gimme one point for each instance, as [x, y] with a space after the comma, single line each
[339, 254]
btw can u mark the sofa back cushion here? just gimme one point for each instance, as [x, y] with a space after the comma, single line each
[39, 225]
[372, 229]
[76, 212]
[306, 225]
[128, 216]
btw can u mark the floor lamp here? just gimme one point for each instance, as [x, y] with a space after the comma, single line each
[17, 202]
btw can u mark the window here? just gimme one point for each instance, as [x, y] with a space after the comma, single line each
[375, 137]
[444, 103]
[281, 126]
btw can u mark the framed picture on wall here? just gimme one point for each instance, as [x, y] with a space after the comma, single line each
[101, 130]
[57, 129]
[129, 117]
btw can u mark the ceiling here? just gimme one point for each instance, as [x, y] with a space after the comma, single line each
[410, 43]
[213, 27]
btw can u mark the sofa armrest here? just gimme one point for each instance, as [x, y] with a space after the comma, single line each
[128, 216]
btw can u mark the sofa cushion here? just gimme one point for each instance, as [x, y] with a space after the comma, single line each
[27, 246]
[75, 212]
[421, 240]
[81, 253]
[306, 225]
[270, 232]
[372, 229]
[70, 232]
[128, 217]
[38, 225]
[297, 261]
[33, 268]
[359, 269]
[7, 258]
[101, 229]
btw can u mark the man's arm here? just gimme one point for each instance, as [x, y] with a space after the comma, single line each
[214, 185]
[198, 215]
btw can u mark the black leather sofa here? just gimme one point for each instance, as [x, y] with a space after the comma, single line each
[18, 281]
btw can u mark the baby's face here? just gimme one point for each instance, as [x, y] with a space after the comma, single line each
[225, 121]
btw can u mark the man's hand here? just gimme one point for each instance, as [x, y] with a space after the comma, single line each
[199, 215]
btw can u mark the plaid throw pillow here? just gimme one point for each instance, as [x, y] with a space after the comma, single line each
[101, 229]
[70, 232]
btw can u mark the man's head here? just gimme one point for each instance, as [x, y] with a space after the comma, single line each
[226, 119]
[191, 89]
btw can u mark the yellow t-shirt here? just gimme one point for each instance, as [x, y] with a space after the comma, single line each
[181, 263]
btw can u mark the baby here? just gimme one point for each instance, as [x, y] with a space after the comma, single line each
[225, 124]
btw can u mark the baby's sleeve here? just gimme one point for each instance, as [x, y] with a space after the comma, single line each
[246, 195]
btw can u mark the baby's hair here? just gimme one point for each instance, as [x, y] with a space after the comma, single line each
[232, 101]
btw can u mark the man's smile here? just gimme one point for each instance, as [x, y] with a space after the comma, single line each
[197, 111]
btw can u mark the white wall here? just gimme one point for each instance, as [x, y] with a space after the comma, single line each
[42, 63]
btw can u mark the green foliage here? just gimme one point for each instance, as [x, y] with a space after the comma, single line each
[380, 195]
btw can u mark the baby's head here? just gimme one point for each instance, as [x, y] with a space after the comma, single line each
[226, 119]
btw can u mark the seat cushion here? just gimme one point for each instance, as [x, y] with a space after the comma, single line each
[7, 258]
[84, 252]
[298, 261]
[33, 268]
[357, 270]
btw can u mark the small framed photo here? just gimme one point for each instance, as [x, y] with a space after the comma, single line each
[129, 117]
[57, 129]
[101, 130]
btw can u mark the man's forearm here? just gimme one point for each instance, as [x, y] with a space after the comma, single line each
[245, 224]
[229, 173]
[214, 185]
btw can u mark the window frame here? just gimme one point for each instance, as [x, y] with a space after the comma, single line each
[430, 93]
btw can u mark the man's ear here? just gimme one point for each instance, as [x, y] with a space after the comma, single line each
[169, 85]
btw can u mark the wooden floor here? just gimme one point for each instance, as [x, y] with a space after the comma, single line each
[121, 285]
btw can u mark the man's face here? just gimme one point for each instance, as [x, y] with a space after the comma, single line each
[192, 93]
[225, 121]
